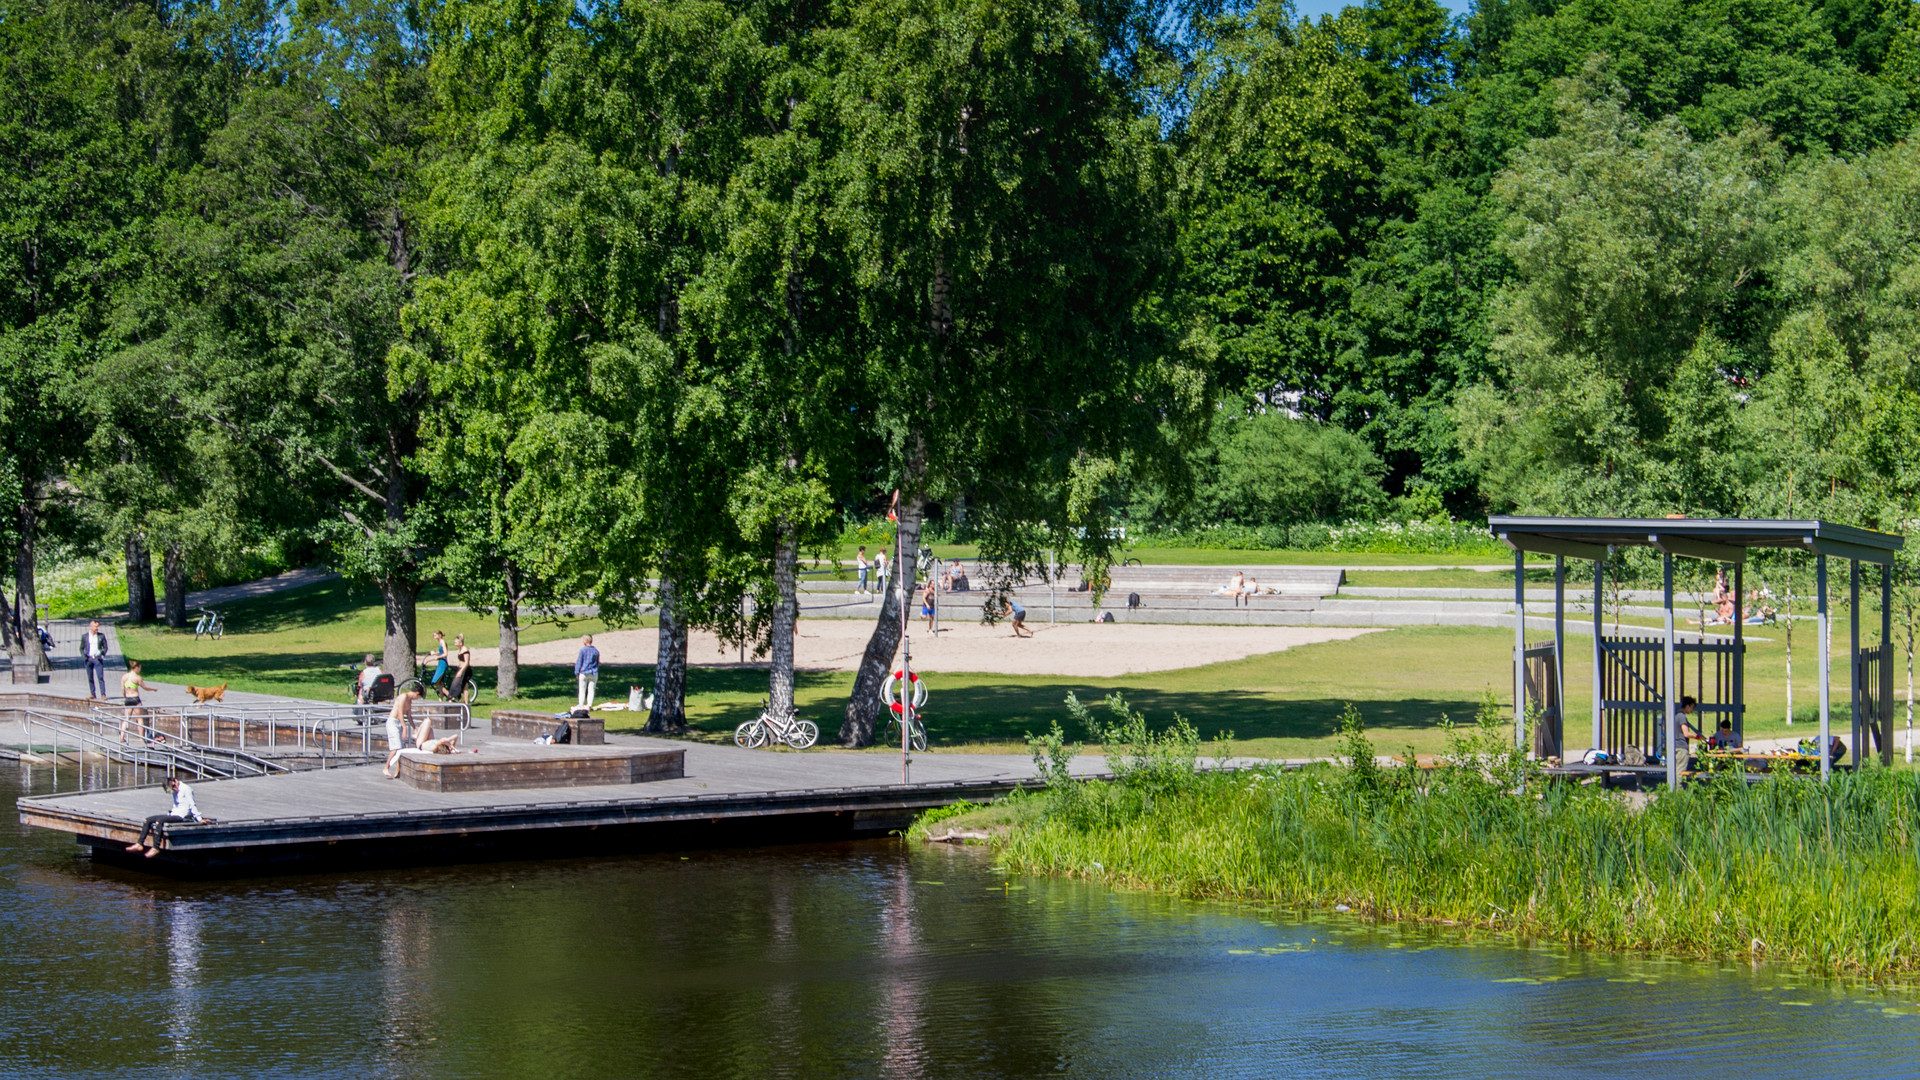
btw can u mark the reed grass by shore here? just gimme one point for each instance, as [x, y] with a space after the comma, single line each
[1826, 877]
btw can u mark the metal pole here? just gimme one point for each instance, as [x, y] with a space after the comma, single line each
[906, 659]
[1739, 702]
[1822, 630]
[1672, 728]
[1599, 576]
[1519, 648]
[1884, 703]
[1886, 663]
[1853, 653]
[1559, 653]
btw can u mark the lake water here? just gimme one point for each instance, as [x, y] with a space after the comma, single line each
[871, 959]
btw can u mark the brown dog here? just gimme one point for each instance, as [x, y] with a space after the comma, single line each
[204, 694]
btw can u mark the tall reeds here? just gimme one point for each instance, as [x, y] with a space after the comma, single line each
[1789, 869]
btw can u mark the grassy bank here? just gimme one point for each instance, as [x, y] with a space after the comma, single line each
[1787, 870]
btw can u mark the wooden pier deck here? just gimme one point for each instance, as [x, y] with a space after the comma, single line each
[355, 815]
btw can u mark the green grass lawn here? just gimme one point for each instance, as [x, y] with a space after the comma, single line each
[1453, 579]
[305, 642]
[1404, 680]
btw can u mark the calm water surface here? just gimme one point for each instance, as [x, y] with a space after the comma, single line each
[870, 959]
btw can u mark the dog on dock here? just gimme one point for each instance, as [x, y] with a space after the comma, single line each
[204, 694]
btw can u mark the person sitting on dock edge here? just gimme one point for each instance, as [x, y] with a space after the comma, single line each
[183, 810]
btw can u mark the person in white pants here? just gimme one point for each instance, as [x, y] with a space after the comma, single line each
[586, 671]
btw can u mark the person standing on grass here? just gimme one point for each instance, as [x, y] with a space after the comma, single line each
[94, 647]
[462, 667]
[860, 560]
[182, 810]
[586, 670]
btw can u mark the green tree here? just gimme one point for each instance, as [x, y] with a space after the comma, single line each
[1000, 201]
[1632, 245]
[298, 248]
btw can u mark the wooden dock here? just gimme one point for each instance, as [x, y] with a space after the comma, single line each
[356, 816]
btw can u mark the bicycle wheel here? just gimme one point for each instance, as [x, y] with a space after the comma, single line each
[469, 692]
[752, 735]
[802, 734]
[917, 738]
[220, 628]
[199, 629]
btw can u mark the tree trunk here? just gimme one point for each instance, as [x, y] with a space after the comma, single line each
[7, 614]
[786, 563]
[863, 707]
[140, 603]
[173, 578]
[27, 656]
[669, 713]
[399, 597]
[507, 678]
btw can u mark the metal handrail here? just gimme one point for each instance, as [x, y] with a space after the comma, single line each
[308, 728]
[177, 756]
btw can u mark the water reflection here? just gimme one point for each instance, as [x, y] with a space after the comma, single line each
[182, 921]
[901, 1019]
[870, 960]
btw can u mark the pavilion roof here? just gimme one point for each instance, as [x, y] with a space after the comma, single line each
[1722, 539]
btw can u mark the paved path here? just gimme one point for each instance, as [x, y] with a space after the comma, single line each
[253, 590]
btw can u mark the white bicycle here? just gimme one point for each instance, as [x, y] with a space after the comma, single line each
[210, 625]
[768, 729]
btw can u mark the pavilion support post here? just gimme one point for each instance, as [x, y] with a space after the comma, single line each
[1883, 702]
[1739, 701]
[1559, 655]
[1669, 684]
[1519, 649]
[1853, 655]
[1825, 649]
[1599, 648]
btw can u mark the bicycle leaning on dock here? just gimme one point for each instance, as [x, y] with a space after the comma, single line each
[768, 729]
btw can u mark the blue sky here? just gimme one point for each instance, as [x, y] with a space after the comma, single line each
[1317, 8]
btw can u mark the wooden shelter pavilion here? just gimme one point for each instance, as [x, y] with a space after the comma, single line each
[1639, 678]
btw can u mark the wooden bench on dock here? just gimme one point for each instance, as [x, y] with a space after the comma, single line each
[524, 724]
[499, 768]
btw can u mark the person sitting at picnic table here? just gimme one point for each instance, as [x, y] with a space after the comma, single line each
[1723, 737]
[182, 810]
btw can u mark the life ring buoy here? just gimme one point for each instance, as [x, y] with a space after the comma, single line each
[891, 696]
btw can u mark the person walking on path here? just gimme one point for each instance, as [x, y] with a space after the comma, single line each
[439, 658]
[927, 598]
[586, 670]
[462, 667]
[860, 560]
[94, 647]
[130, 686]
[182, 810]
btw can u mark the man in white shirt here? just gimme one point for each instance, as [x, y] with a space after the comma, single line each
[182, 810]
[94, 647]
